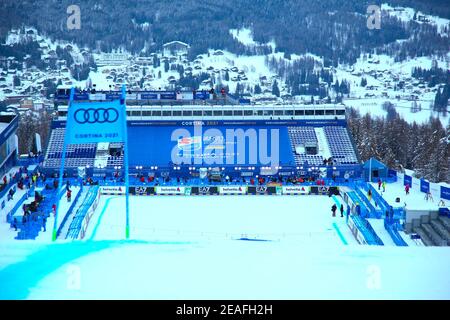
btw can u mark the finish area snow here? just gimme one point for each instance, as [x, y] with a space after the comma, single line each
[225, 270]
[189, 248]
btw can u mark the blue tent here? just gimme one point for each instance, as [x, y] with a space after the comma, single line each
[375, 169]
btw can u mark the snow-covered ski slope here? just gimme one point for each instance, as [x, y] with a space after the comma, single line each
[302, 220]
[188, 248]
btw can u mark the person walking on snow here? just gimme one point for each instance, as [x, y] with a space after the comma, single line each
[407, 188]
[384, 186]
[342, 210]
[379, 183]
[333, 209]
[369, 195]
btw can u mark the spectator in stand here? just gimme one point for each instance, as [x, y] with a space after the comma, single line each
[222, 91]
[142, 179]
[44, 222]
[369, 195]
[54, 209]
[252, 181]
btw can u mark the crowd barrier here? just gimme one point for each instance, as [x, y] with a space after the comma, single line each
[224, 190]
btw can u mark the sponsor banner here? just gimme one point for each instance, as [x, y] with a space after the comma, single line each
[142, 191]
[95, 122]
[424, 186]
[262, 190]
[113, 96]
[296, 189]
[112, 190]
[168, 96]
[149, 96]
[445, 193]
[171, 190]
[205, 190]
[80, 96]
[279, 190]
[97, 96]
[324, 190]
[202, 95]
[407, 180]
[233, 190]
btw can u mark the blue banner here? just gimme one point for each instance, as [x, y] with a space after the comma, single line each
[168, 96]
[445, 193]
[113, 96]
[202, 95]
[424, 186]
[81, 96]
[149, 96]
[407, 180]
[95, 122]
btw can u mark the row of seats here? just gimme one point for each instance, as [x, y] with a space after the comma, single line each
[78, 155]
[340, 145]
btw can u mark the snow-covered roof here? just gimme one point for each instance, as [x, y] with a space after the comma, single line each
[175, 42]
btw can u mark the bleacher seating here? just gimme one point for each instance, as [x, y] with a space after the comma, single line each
[340, 144]
[79, 155]
[338, 139]
[304, 136]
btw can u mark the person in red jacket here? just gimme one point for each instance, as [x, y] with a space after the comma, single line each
[407, 188]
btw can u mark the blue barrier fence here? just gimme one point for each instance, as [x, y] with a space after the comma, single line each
[392, 229]
[367, 231]
[77, 222]
[69, 212]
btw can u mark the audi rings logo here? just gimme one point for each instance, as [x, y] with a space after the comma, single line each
[97, 115]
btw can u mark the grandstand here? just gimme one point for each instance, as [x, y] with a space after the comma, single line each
[306, 137]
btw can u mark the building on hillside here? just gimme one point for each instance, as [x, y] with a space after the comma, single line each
[112, 59]
[175, 48]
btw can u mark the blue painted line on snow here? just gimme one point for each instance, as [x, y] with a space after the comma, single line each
[341, 236]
